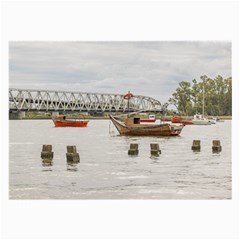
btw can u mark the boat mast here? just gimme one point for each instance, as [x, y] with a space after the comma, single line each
[203, 99]
[127, 97]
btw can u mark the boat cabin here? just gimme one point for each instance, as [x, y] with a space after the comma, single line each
[198, 116]
[151, 117]
[132, 121]
[61, 118]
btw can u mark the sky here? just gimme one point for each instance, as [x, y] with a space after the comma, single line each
[151, 69]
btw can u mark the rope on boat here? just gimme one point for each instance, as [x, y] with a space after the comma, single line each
[111, 132]
[109, 128]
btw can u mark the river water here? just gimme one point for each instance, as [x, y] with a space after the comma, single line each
[106, 171]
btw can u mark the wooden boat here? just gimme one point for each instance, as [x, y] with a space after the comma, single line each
[150, 119]
[133, 126]
[61, 121]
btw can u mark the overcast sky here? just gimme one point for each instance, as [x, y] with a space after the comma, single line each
[145, 68]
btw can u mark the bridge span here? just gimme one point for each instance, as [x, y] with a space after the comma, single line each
[22, 100]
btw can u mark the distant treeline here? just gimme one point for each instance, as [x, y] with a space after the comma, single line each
[217, 92]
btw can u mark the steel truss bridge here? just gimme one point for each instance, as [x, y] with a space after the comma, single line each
[22, 100]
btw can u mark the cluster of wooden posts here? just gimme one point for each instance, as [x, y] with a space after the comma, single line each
[72, 155]
[155, 149]
[216, 146]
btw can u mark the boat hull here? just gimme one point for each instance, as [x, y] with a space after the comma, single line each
[186, 122]
[60, 122]
[79, 124]
[181, 120]
[176, 120]
[201, 122]
[146, 129]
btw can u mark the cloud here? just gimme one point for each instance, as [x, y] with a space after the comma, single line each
[146, 68]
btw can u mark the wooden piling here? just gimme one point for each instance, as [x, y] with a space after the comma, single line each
[196, 146]
[47, 153]
[71, 149]
[72, 155]
[155, 150]
[216, 147]
[133, 149]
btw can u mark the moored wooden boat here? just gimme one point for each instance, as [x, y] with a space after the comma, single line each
[61, 121]
[132, 126]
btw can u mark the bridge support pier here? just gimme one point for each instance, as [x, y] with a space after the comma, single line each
[16, 115]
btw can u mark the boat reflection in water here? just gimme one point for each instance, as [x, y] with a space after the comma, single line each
[133, 126]
[72, 167]
[47, 165]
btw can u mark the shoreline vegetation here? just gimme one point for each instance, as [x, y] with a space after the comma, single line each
[212, 96]
[47, 116]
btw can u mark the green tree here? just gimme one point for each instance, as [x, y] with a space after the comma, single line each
[217, 95]
[181, 97]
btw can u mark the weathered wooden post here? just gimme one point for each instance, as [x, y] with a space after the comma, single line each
[47, 153]
[133, 149]
[216, 146]
[155, 150]
[72, 155]
[196, 145]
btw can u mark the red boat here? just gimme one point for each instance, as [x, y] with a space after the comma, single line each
[176, 120]
[151, 118]
[61, 121]
[181, 120]
[186, 122]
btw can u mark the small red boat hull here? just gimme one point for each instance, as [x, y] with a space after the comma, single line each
[186, 122]
[176, 120]
[62, 122]
[180, 120]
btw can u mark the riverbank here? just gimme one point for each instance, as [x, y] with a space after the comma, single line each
[106, 117]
